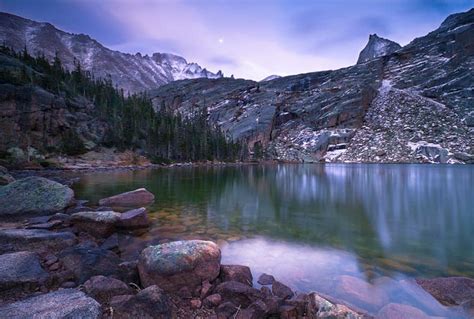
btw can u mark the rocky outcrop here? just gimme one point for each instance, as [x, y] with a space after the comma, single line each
[34, 121]
[135, 198]
[66, 303]
[355, 113]
[133, 73]
[179, 264]
[33, 196]
[377, 47]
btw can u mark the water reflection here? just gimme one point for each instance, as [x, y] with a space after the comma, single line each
[387, 220]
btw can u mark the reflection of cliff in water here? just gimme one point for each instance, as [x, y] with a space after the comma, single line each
[404, 210]
[415, 213]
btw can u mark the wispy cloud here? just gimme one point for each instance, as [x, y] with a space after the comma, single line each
[247, 38]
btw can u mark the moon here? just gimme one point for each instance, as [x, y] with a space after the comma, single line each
[220, 40]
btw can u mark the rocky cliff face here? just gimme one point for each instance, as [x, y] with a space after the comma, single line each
[412, 105]
[133, 73]
[377, 47]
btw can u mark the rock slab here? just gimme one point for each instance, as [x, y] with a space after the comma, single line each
[34, 240]
[66, 303]
[19, 270]
[138, 197]
[98, 224]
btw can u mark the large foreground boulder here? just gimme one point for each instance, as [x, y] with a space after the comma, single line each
[37, 240]
[179, 264]
[450, 291]
[98, 224]
[135, 198]
[20, 271]
[34, 196]
[66, 303]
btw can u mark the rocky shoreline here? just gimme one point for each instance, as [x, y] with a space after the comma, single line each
[59, 258]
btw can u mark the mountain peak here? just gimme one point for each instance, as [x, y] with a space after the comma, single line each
[377, 47]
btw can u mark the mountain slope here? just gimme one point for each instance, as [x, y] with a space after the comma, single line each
[329, 116]
[133, 73]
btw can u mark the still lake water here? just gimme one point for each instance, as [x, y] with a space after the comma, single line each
[316, 227]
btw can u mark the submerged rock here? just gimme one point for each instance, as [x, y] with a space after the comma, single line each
[399, 311]
[66, 303]
[37, 240]
[98, 224]
[138, 197]
[34, 196]
[449, 291]
[179, 264]
[20, 271]
[361, 293]
[148, 303]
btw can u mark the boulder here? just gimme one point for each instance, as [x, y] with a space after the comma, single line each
[37, 240]
[179, 264]
[238, 293]
[65, 303]
[281, 290]
[33, 196]
[133, 219]
[85, 262]
[318, 307]
[103, 288]
[449, 291]
[20, 271]
[265, 279]
[212, 301]
[237, 273]
[138, 197]
[5, 177]
[148, 303]
[432, 152]
[98, 224]
[399, 311]
[362, 294]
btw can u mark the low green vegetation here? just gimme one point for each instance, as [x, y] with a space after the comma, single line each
[162, 135]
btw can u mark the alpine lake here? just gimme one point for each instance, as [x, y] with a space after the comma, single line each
[330, 228]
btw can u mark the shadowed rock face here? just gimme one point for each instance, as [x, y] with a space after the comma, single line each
[316, 116]
[133, 73]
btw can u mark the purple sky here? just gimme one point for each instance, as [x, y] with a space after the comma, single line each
[247, 38]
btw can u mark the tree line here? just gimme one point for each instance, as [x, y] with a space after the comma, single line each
[162, 134]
